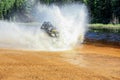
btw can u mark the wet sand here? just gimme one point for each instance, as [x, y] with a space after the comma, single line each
[87, 62]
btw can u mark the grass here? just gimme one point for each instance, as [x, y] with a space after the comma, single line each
[105, 28]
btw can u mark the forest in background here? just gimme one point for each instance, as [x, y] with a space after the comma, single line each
[100, 11]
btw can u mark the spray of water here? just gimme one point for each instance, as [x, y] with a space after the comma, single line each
[70, 20]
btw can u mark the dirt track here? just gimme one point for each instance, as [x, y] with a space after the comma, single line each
[89, 62]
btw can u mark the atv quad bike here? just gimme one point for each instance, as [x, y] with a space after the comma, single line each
[50, 29]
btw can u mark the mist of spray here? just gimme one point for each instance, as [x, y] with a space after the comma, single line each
[70, 20]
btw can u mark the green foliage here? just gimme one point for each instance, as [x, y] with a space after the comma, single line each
[116, 8]
[104, 28]
[101, 11]
[6, 6]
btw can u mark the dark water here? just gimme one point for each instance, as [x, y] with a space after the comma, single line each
[110, 37]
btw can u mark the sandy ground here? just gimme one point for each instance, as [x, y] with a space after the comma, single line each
[88, 62]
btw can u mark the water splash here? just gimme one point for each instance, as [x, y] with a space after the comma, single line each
[70, 20]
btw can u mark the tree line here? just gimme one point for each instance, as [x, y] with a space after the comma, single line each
[101, 11]
[8, 7]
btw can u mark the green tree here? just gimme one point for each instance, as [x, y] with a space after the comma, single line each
[7, 7]
[116, 10]
[101, 11]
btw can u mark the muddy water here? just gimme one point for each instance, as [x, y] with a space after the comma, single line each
[87, 62]
[104, 60]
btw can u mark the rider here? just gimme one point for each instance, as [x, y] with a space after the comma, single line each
[50, 29]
